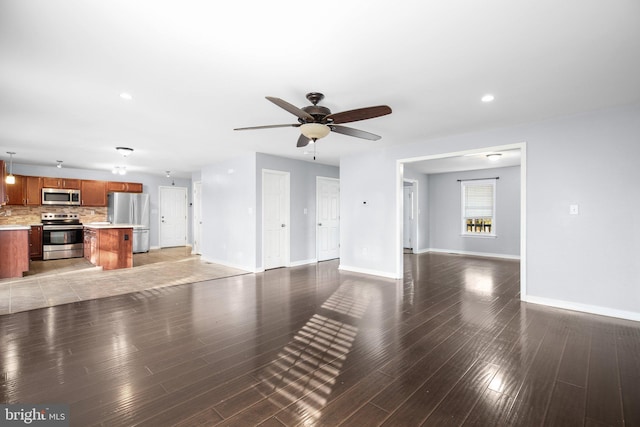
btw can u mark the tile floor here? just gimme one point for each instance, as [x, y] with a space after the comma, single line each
[55, 282]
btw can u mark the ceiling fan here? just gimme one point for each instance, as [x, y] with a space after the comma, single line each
[316, 121]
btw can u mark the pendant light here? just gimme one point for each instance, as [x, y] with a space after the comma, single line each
[10, 179]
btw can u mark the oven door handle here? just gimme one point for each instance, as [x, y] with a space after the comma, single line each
[61, 227]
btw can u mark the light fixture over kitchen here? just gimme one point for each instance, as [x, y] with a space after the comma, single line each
[59, 165]
[125, 151]
[10, 179]
[168, 174]
[494, 156]
[119, 170]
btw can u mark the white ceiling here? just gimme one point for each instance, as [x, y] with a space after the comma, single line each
[198, 69]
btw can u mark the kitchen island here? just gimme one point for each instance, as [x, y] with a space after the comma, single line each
[14, 250]
[109, 246]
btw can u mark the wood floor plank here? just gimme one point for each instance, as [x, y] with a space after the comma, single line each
[567, 405]
[628, 352]
[604, 401]
[457, 404]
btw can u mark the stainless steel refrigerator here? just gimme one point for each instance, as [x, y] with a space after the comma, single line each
[131, 208]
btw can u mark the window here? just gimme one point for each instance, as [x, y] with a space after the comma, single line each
[478, 207]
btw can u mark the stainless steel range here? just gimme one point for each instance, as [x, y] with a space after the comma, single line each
[61, 236]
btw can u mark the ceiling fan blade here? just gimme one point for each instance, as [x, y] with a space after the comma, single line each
[303, 141]
[290, 108]
[295, 125]
[355, 132]
[358, 114]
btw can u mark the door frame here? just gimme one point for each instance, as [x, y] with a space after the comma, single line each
[522, 146]
[416, 213]
[186, 209]
[196, 191]
[325, 178]
[287, 189]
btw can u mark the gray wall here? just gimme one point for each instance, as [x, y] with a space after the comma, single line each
[150, 183]
[232, 209]
[587, 262]
[303, 196]
[445, 213]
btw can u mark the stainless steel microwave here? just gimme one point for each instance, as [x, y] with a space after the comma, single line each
[60, 196]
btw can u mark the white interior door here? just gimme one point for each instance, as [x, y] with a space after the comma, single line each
[275, 218]
[197, 217]
[328, 218]
[173, 216]
[407, 223]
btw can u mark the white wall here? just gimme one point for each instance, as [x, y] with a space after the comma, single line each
[150, 185]
[587, 262]
[445, 213]
[229, 212]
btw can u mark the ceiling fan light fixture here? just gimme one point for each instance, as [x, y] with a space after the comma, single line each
[315, 131]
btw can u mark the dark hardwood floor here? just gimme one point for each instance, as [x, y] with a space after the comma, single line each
[451, 344]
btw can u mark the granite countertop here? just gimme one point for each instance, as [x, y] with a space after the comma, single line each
[9, 227]
[103, 225]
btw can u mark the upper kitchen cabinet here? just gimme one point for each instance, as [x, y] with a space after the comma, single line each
[124, 187]
[93, 193]
[25, 192]
[73, 184]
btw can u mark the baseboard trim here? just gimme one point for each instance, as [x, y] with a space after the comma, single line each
[457, 252]
[303, 262]
[385, 274]
[228, 264]
[585, 308]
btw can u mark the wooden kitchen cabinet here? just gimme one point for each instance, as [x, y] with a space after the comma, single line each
[93, 193]
[110, 248]
[70, 183]
[14, 247]
[15, 195]
[124, 187]
[35, 242]
[25, 192]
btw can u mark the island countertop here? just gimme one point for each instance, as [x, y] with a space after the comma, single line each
[9, 227]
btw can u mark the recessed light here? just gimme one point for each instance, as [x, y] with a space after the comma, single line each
[488, 98]
[126, 96]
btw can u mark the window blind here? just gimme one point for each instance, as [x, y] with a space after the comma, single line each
[478, 200]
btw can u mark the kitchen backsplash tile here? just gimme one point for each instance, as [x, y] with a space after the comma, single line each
[26, 215]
